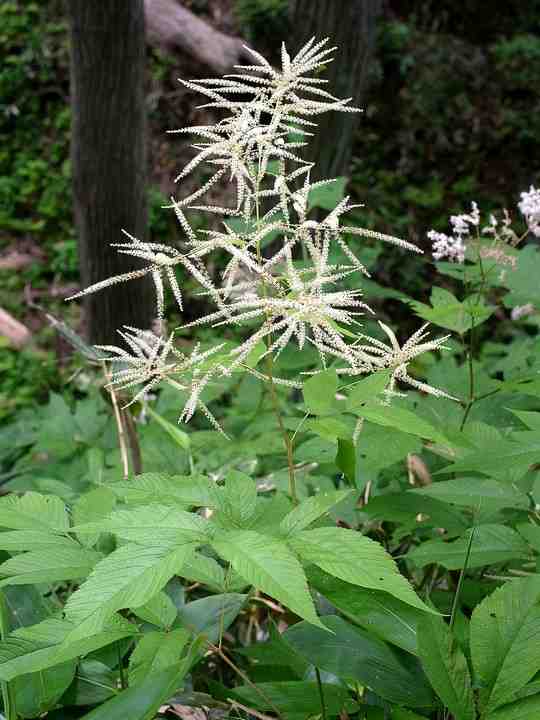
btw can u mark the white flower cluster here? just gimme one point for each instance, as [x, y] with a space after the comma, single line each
[530, 208]
[257, 146]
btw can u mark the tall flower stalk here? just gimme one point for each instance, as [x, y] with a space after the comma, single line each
[257, 145]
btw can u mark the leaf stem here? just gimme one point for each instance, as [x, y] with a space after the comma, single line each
[321, 694]
[123, 679]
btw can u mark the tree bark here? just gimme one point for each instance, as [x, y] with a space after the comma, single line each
[172, 26]
[350, 24]
[108, 153]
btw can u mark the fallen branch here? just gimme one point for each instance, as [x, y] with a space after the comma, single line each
[173, 27]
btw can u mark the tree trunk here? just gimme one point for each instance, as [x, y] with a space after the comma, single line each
[108, 152]
[350, 24]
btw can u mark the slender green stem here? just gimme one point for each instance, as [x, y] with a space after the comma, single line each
[123, 679]
[455, 603]
[321, 694]
[10, 709]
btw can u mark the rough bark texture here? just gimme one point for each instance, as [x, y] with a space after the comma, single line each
[350, 24]
[173, 27]
[109, 156]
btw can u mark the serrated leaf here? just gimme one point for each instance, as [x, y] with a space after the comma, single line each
[310, 510]
[268, 564]
[187, 490]
[352, 654]
[402, 419]
[320, 392]
[46, 566]
[448, 312]
[21, 540]
[38, 647]
[491, 544]
[237, 503]
[446, 667]
[180, 437]
[33, 511]
[476, 493]
[142, 701]
[366, 390]
[526, 709]
[156, 651]
[350, 556]
[153, 523]
[296, 699]
[159, 610]
[379, 612]
[488, 461]
[204, 569]
[211, 616]
[91, 507]
[503, 647]
[129, 577]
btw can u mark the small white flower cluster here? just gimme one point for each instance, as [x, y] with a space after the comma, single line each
[257, 145]
[530, 208]
[447, 246]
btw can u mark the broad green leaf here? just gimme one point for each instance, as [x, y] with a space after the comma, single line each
[92, 507]
[185, 490]
[379, 612]
[402, 419]
[504, 628]
[211, 616]
[156, 651]
[33, 511]
[46, 566]
[204, 569]
[180, 437]
[320, 392]
[239, 499]
[142, 701]
[349, 556]
[526, 709]
[278, 652]
[376, 448]
[448, 312]
[153, 524]
[476, 493]
[405, 507]
[327, 196]
[36, 693]
[491, 544]
[366, 390]
[94, 683]
[20, 540]
[512, 456]
[353, 654]
[296, 699]
[269, 565]
[316, 450]
[522, 280]
[310, 510]
[159, 610]
[446, 667]
[531, 533]
[530, 419]
[38, 647]
[129, 577]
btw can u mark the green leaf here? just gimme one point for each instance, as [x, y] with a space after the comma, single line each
[503, 647]
[446, 667]
[402, 419]
[212, 615]
[522, 280]
[129, 577]
[310, 510]
[448, 312]
[92, 507]
[316, 450]
[379, 612]
[268, 564]
[187, 490]
[142, 701]
[20, 540]
[203, 569]
[352, 654]
[36, 693]
[156, 651]
[526, 709]
[153, 524]
[348, 555]
[44, 566]
[491, 544]
[320, 392]
[327, 196]
[33, 511]
[180, 437]
[296, 699]
[488, 461]
[159, 610]
[475, 493]
[38, 647]
[238, 501]
[366, 390]
[94, 683]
